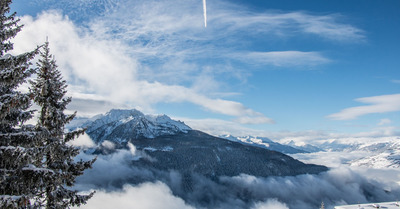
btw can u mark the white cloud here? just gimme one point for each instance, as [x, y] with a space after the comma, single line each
[87, 64]
[219, 127]
[378, 104]
[163, 31]
[166, 28]
[330, 159]
[83, 141]
[383, 131]
[108, 144]
[338, 186]
[90, 107]
[140, 53]
[283, 58]
[112, 174]
[145, 196]
[384, 121]
[132, 149]
[328, 27]
[169, 17]
[270, 204]
[380, 134]
[286, 24]
[254, 120]
[101, 70]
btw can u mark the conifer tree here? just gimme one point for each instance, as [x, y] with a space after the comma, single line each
[21, 145]
[49, 90]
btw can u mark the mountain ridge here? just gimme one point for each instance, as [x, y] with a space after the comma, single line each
[168, 144]
[132, 123]
[264, 142]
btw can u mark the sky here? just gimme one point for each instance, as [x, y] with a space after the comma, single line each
[281, 69]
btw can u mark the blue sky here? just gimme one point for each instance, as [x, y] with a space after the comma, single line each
[273, 68]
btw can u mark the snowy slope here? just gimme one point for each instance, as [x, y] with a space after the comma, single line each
[387, 205]
[382, 160]
[384, 155]
[371, 152]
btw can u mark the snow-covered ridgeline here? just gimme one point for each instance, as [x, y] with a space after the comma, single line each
[383, 155]
[249, 139]
[372, 153]
[130, 124]
[375, 153]
[264, 143]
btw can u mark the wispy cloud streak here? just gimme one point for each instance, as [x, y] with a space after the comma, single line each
[283, 58]
[205, 12]
[378, 104]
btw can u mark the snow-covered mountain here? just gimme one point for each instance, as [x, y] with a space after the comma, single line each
[120, 126]
[305, 147]
[164, 144]
[372, 145]
[383, 155]
[381, 160]
[362, 152]
[264, 143]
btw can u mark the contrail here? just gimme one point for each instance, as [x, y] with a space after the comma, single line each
[205, 12]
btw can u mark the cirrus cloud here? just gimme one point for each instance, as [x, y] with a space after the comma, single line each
[377, 104]
[99, 70]
[283, 58]
[142, 53]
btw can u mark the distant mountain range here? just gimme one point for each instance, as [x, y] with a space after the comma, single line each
[172, 145]
[378, 154]
[266, 143]
[383, 155]
[122, 126]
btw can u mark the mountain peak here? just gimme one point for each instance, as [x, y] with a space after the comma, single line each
[118, 113]
[128, 124]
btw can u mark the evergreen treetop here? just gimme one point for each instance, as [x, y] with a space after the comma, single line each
[49, 90]
[8, 27]
[21, 145]
[37, 167]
